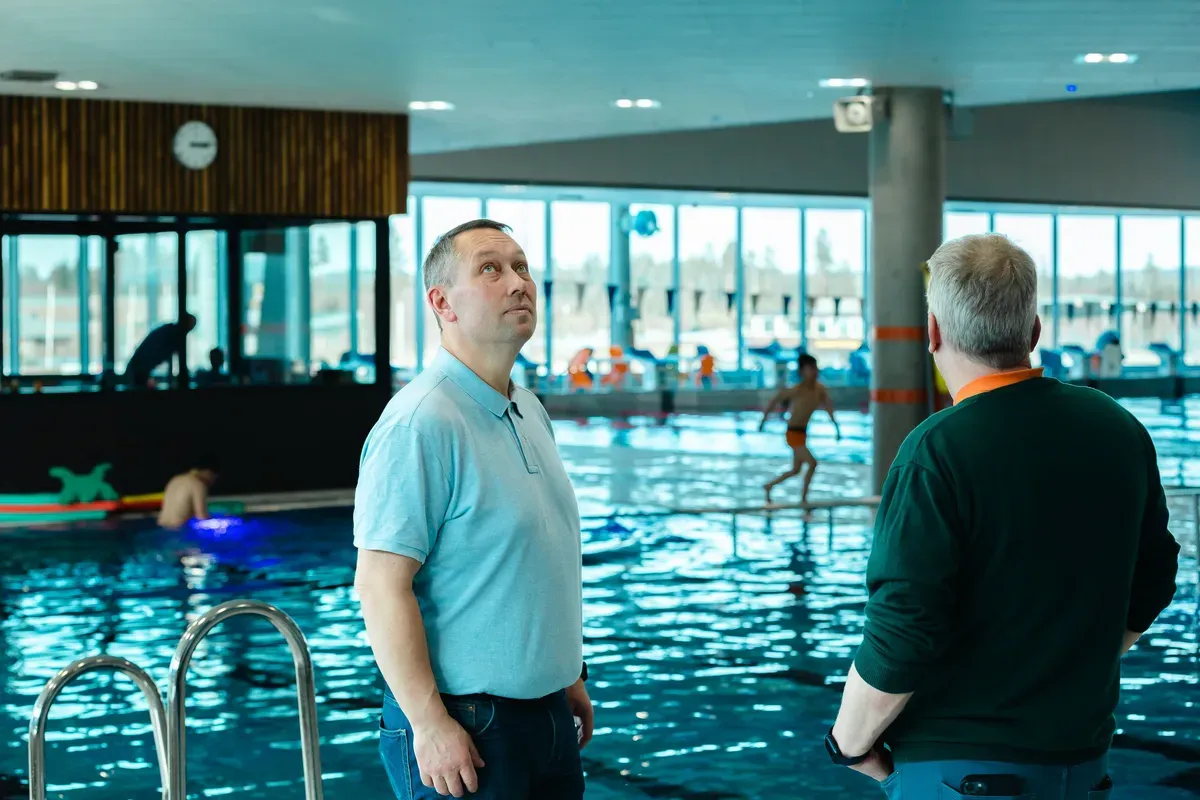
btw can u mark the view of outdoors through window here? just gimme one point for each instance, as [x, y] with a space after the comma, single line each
[308, 292]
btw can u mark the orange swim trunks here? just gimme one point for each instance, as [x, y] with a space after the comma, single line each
[796, 438]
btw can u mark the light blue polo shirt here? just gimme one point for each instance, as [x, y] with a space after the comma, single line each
[469, 483]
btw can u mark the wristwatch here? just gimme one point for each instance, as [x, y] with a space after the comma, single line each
[835, 753]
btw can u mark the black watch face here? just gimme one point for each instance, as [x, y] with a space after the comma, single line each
[831, 747]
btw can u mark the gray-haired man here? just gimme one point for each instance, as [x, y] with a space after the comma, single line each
[999, 606]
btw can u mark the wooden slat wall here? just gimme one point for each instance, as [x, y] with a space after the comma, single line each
[97, 156]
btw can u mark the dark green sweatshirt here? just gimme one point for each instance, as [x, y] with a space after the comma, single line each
[1020, 534]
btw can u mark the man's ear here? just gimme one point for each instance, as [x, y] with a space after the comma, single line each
[440, 303]
[1037, 333]
[935, 334]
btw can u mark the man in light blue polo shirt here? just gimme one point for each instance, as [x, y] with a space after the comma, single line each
[469, 565]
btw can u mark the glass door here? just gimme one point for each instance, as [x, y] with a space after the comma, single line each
[299, 285]
[146, 308]
[275, 332]
[45, 286]
[205, 282]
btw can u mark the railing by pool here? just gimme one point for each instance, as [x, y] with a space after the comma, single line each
[1191, 494]
[168, 723]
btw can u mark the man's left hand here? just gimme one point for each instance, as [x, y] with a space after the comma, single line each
[879, 765]
[581, 706]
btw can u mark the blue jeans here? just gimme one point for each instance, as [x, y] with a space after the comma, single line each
[529, 746]
[947, 780]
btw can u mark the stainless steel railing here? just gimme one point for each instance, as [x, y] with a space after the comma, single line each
[41, 715]
[305, 690]
[1189, 494]
[170, 727]
[1193, 494]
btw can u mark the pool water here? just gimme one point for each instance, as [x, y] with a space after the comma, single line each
[715, 643]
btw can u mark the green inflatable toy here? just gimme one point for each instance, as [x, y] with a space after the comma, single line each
[88, 488]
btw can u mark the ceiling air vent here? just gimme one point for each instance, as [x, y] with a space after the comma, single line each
[28, 76]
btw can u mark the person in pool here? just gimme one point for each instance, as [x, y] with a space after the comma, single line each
[802, 400]
[186, 498]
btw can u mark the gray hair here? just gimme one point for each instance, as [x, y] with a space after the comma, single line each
[983, 293]
[438, 269]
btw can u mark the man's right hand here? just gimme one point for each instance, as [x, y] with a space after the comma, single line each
[446, 757]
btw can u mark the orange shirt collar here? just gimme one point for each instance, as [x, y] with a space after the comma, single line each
[996, 381]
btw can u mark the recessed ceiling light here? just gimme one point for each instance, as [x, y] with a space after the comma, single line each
[430, 105]
[842, 83]
[1106, 58]
[88, 86]
[641, 102]
[66, 86]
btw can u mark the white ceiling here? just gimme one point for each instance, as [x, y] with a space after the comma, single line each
[539, 70]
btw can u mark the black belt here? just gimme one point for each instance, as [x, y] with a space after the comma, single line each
[468, 698]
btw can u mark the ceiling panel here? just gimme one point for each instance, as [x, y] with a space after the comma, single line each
[542, 70]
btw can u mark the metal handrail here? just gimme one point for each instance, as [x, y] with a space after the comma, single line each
[811, 505]
[41, 715]
[305, 690]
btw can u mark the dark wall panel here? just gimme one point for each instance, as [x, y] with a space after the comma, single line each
[264, 439]
[95, 156]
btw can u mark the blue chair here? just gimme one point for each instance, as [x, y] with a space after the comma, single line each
[1052, 362]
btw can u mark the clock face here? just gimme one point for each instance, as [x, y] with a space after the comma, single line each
[195, 145]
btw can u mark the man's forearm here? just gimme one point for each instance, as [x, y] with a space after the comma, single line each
[1131, 638]
[397, 636]
[865, 714]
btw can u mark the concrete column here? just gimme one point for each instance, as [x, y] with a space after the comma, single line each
[907, 189]
[619, 276]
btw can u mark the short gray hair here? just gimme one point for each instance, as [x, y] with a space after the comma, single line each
[983, 293]
[439, 264]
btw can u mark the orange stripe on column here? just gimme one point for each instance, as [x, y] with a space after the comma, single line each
[898, 396]
[898, 333]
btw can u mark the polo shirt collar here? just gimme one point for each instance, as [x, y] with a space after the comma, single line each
[996, 380]
[472, 384]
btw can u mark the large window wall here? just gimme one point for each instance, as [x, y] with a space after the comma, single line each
[771, 260]
[738, 273]
[1190, 314]
[653, 279]
[835, 275]
[148, 302]
[722, 273]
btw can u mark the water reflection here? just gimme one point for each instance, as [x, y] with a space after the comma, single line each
[716, 645]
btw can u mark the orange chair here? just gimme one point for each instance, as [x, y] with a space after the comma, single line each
[578, 375]
[619, 370]
[706, 377]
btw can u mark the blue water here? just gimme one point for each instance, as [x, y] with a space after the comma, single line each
[711, 678]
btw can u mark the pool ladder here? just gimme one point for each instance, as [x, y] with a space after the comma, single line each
[168, 724]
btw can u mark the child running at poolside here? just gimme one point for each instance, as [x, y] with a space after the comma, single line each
[802, 400]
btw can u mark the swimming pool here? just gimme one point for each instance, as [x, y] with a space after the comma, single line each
[712, 679]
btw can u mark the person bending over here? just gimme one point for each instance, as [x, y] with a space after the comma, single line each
[158, 348]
